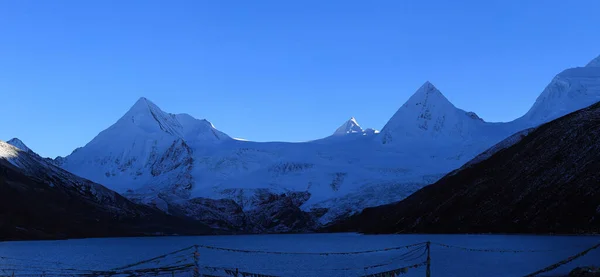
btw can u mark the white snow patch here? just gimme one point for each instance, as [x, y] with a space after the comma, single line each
[349, 127]
[8, 152]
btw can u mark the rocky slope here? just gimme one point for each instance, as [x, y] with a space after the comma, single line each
[545, 180]
[41, 201]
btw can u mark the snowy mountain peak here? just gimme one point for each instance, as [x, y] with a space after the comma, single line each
[149, 117]
[349, 127]
[142, 144]
[429, 114]
[428, 96]
[19, 144]
[143, 103]
[594, 63]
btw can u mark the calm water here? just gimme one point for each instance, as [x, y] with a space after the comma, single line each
[109, 253]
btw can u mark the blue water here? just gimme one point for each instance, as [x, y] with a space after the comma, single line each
[100, 254]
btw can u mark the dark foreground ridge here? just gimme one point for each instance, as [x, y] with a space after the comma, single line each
[42, 201]
[549, 182]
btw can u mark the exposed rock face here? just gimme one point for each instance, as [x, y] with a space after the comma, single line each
[265, 212]
[222, 214]
[282, 214]
[546, 182]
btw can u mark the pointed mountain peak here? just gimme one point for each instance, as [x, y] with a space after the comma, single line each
[428, 85]
[19, 144]
[145, 120]
[426, 95]
[353, 121]
[349, 127]
[143, 103]
[594, 63]
[149, 117]
[428, 114]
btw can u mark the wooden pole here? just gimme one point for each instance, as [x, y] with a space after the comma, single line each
[428, 271]
[196, 265]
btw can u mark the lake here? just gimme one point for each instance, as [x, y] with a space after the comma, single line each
[101, 254]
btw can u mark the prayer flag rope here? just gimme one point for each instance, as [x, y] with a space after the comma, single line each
[565, 261]
[154, 259]
[310, 253]
[490, 250]
[395, 272]
[235, 273]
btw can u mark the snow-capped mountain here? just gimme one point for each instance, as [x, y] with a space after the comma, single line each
[570, 90]
[428, 118]
[144, 147]
[351, 127]
[429, 115]
[179, 163]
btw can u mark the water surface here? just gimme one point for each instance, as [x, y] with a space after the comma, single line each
[103, 254]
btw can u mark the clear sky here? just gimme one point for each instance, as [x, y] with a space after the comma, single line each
[275, 70]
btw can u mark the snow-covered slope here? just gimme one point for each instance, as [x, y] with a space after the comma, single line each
[8, 152]
[166, 160]
[570, 90]
[33, 165]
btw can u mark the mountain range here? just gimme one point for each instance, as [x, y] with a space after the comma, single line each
[540, 180]
[185, 166]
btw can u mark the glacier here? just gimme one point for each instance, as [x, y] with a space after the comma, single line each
[184, 165]
[164, 159]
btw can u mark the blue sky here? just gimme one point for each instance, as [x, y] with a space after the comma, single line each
[275, 70]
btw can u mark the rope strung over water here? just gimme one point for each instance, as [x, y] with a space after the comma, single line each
[494, 250]
[563, 262]
[154, 259]
[395, 272]
[311, 253]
